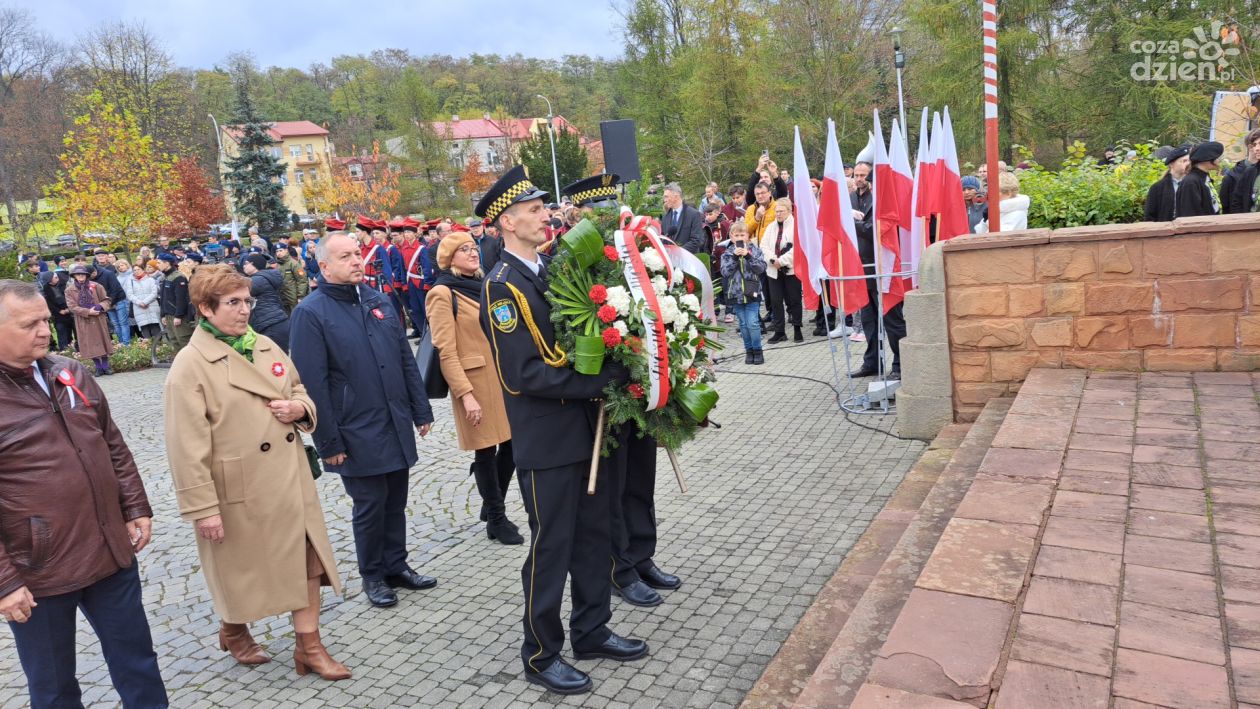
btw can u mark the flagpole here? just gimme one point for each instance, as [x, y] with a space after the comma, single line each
[991, 114]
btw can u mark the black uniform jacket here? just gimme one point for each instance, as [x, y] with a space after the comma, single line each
[1194, 197]
[1161, 201]
[549, 407]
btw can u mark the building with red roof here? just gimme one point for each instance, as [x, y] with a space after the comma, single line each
[304, 149]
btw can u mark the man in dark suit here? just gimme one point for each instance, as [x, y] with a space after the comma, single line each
[570, 530]
[681, 222]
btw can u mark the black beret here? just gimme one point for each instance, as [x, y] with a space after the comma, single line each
[1207, 152]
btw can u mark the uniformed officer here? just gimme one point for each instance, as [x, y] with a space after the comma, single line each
[630, 470]
[375, 261]
[569, 530]
[411, 248]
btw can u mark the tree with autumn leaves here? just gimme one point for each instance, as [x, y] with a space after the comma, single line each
[373, 195]
[191, 206]
[112, 180]
[114, 183]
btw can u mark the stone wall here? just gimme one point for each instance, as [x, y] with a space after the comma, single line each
[1180, 296]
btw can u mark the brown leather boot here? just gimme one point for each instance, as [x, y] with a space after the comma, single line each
[309, 654]
[235, 638]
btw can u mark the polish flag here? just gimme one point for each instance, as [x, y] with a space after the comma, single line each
[808, 242]
[840, 255]
[887, 214]
[952, 209]
[903, 184]
[922, 182]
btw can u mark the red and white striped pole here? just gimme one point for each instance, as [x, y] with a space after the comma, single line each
[991, 112]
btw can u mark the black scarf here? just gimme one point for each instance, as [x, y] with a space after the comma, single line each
[467, 285]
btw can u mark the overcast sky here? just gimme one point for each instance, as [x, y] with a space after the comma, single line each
[297, 33]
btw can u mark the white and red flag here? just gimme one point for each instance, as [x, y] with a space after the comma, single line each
[903, 184]
[808, 242]
[839, 253]
[887, 215]
[951, 207]
[923, 174]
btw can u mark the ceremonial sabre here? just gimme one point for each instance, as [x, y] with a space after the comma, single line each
[599, 443]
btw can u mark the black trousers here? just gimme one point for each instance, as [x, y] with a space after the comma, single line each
[631, 471]
[65, 332]
[784, 294]
[894, 329]
[569, 537]
[46, 645]
[380, 522]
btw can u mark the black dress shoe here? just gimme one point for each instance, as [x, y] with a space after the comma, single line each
[656, 578]
[820, 332]
[410, 580]
[778, 337]
[379, 593]
[562, 678]
[863, 372]
[639, 594]
[614, 648]
[895, 373]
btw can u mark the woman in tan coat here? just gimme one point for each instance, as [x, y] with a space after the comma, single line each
[453, 308]
[234, 408]
[89, 303]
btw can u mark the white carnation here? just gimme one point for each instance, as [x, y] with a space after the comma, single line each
[690, 302]
[669, 309]
[622, 327]
[678, 276]
[659, 285]
[619, 298]
[652, 259]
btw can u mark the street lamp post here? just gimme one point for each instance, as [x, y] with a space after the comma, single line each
[230, 203]
[555, 172]
[899, 61]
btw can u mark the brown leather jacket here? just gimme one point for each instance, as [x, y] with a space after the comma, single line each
[68, 484]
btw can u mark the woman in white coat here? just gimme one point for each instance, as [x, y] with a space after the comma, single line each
[784, 293]
[1014, 206]
[142, 292]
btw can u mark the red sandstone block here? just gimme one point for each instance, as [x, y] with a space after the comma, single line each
[1171, 554]
[1178, 255]
[1090, 535]
[1028, 685]
[1169, 525]
[1173, 633]
[1069, 644]
[1169, 682]
[1072, 600]
[1179, 590]
[1078, 565]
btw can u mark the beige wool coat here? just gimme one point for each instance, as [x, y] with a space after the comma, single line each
[230, 456]
[468, 365]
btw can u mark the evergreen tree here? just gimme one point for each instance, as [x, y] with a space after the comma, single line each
[253, 176]
[535, 155]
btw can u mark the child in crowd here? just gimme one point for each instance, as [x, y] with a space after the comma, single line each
[742, 266]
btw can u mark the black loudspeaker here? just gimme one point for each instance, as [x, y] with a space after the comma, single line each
[621, 149]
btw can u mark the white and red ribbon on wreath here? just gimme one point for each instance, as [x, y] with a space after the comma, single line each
[655, 342]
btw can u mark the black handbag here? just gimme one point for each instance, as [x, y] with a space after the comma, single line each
[429, 360]
[312, 458]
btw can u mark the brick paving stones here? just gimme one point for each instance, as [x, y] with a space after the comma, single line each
[761, 531]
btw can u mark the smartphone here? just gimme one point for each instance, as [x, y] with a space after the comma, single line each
[765, 153]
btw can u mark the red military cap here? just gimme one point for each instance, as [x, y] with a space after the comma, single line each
[332, 224]
[458, 227]
[410, 224]
[396, 224]
[364, 223]
[380, 224]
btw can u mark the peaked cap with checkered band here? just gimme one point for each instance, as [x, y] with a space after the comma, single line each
[512, 187]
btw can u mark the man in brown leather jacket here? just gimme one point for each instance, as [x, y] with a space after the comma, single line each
[73, 514]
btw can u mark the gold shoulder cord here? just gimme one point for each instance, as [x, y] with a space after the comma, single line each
[555, 357]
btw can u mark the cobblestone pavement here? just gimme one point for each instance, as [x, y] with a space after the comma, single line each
[778, 496]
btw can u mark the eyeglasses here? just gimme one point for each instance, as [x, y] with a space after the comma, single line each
[237, 302]
[466, 249]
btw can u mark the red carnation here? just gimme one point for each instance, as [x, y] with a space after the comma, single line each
[598, 294]
[700, 345]
[635, 344]
[691, 285]
[636, 391]
[693, 373]
[612, 337]
[607, 313]
[610, 253]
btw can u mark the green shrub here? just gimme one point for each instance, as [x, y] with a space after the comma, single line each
[1084, 193]
[128, 358]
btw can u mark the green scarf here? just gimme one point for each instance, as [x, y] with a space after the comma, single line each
[241, 343]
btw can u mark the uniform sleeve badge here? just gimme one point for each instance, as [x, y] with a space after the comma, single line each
[503, 312]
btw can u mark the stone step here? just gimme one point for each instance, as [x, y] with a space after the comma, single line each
[825, 659]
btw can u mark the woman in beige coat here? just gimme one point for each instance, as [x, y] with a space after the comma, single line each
[453, 309]
[89, 303]
[234, 408]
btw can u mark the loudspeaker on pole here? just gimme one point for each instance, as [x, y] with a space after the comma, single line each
[621, 149]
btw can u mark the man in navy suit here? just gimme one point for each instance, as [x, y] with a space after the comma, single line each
[681, 222]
